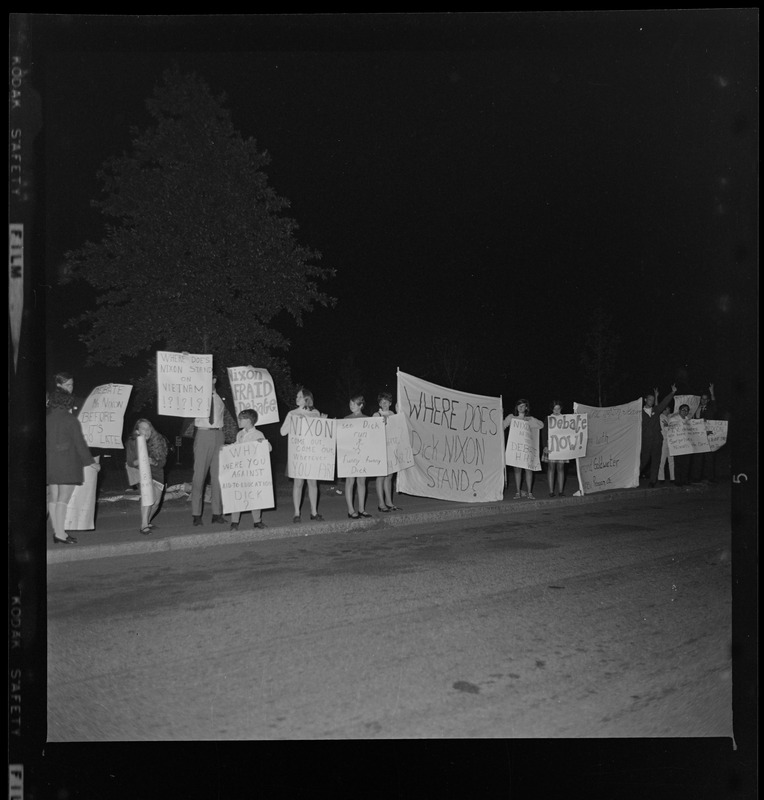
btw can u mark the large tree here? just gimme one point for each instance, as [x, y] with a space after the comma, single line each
[198, 255]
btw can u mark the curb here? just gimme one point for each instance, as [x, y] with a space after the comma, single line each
[196, 540]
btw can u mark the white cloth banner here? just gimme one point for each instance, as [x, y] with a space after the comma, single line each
[686, 436]
[184, 384]
[312, 447]
[522, 448]
[254, 388]
[398, 441]
[80, 511]
[717, 433]
[361, 447]
[567, 436]
[457, 443]
[613, 445]
[246, 481]
[102, 415]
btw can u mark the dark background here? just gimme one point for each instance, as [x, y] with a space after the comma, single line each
[482, 183]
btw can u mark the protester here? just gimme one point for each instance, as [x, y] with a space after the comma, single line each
[703, 464]
[208, 439]
[553, 467]
[652, 438]
[665, 419]
[249, 433]
[384, 484]
[304, 408]
[65, 382]
[522, 411]
[682, 463]
[157, 447]
[67, 455]
[356, 404]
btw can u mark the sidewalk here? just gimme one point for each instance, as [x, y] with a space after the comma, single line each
[118, 517]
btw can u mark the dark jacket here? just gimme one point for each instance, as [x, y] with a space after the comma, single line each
[651, 425]
[67, 451]
[159, 455]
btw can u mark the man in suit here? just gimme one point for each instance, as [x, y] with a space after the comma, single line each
[652, 436]
[208, 439]
[703, 463]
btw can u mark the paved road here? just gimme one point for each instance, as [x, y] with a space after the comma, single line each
[577, 621]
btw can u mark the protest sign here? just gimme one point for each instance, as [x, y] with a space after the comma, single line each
[144, 471]
[717, 433]
[312, 447]
[398, 443]
[102, 415]
[254, 388]
[184, 384]
[246, 481]
[457, 443]
[361, 447]
[567, 437]
[80, 510]
[686, 436]
[613, 447]
[522, 448]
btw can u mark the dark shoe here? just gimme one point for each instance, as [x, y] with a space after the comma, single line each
[551, 494]
[198, 520]
[146, 531]
[354, 515]
[383, 510]
[259, 525]
[561, 494]
[316, 517]
[393, 508]
[651, 485]
[218, 518]
[363, 514]
[68, 540]
[296, 518]
[234, 526]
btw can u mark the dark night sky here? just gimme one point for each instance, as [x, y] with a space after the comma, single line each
[484, 179]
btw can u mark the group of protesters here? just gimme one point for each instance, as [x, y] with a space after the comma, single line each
[68, 454]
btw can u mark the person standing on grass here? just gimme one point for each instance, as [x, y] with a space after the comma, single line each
[304, 408]
[356, 405]
[249, 433]
[522, 411]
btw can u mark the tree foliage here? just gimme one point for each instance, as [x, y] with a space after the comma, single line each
[598, 358]
[198, 255]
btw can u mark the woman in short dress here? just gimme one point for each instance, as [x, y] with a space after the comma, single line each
[553, 467]
[522, 411]
[156, 444]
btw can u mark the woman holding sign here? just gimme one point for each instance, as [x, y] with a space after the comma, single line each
[356, 405]
[385, 485]
[522, 411]
[304, 408]
[67, 454]
[147, 445]
[249, 433]
[555, 409]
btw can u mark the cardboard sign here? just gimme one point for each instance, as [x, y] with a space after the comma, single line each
[686, 436]
[398, 443]
[312, 447]
[80, 510]
[102, 415]
[184, 384]
[522, 448]
[254, 388]
[361, 447]
[567, 437]
[246, 481]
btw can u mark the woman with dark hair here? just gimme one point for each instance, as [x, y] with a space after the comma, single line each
[384, 485]
[67, 454]
[305, 408]
[156, 445]
[522, 411]
[356, 404]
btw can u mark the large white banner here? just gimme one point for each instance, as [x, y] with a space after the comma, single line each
[312, 447]
[102, 415]
[184, 384]
[686, 436]
[457, 443]
[612, 452]
[254, 388]
[522, 448]
[399, 454]
[361, 447]
[246, 481]
[80, 510]
[567, 437]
